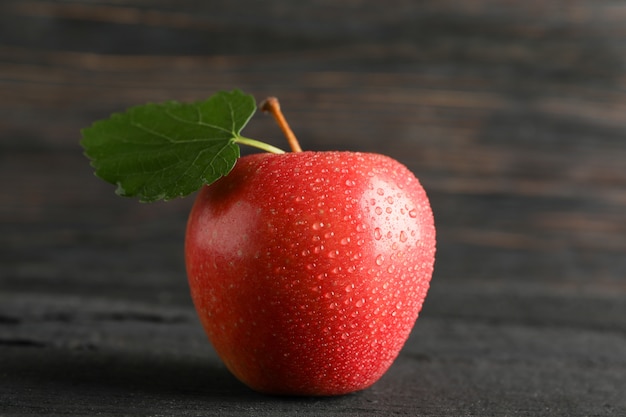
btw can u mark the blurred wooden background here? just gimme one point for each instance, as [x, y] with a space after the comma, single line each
[512, 114]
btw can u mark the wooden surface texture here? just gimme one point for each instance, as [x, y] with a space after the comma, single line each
[511, 113]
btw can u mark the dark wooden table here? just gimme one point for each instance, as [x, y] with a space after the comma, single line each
[513, 115]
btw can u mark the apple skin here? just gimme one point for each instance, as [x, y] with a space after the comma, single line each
[308, 270]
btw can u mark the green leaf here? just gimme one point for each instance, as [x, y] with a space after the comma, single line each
[168, 150]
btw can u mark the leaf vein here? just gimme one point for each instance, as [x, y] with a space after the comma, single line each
[199, 122]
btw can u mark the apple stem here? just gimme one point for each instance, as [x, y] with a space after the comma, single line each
[272, 106]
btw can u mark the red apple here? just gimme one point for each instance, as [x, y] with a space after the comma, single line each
[308, 269]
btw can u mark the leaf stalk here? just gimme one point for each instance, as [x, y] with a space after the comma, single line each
[258, 144]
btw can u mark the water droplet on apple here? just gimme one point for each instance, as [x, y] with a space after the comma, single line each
[388, 210]
[328, 235]
[403, 236]
[345, 335]
[380, 259]
[333, 253]
[390, 199]
[377, 233]
[349, 287]
[391, 269]
[351, 268]
[317, 226]
[360, 302]
[380, 191]
[345, 241]
[378, 210]
[413, 213]
[350, 183]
